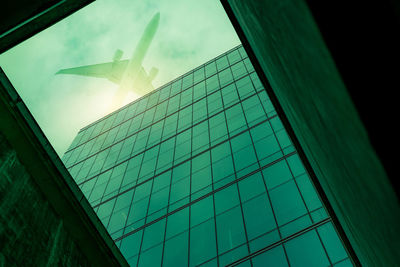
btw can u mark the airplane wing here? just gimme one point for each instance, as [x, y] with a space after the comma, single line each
[112, 70]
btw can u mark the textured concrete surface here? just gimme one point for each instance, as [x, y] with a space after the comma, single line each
[47, 171]
[290, 51]
[21, 19]
[31, 232]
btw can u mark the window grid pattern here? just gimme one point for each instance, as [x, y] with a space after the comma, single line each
[202, 172]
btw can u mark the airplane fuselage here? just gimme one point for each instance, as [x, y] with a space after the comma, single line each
[129, 80]
[129, 74]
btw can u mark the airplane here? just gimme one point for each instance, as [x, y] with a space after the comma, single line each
[129, 73]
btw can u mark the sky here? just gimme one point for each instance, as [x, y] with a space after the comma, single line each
[190, 33]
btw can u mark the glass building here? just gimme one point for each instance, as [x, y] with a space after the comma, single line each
[202, 172]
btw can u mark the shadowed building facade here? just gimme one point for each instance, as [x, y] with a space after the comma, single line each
[202, 172]
[45, 219]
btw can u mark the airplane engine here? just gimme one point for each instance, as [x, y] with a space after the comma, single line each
[153, 73]
[118, 55]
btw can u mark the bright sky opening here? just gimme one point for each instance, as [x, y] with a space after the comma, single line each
[190, 32]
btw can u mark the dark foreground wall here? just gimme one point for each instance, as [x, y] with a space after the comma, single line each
[285, 43]
[31, 233]
[21, 19]
[41, 208]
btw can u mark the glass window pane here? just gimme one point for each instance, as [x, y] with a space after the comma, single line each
[218, 130]
[162, 181]
[332, 243]
[258, 216]
[143, 190]
[222, 63]
[214, 103]
[230, 230]
[308, 192]
[239, 70]
[165, 157]
[233, 255]
[266, 147]
[221, 162]
[106, 209]
[158, 200]
[225, 77]
[345, 263]
[242, 52]
[187, 81]
[235, 119]
[277, 174]
[176, 251]
[283, 138]
[234, 56]
[199, 90]
[130, 245]
[210, 69]
[177, 222]
[306, 250]
[124, 200]
[243, 153]
[202, 243]
[226, 199]
[264, 240]
[198, 75]
[201, 172]
[245, 87]
[199, 110]
[176, 86]
[138, 212]
[251, 186]
[153, 234]
[274, 257]
[229, 95]
[253, 110]
[201, 211]
[180, 187]
[295, 226]
[200, 137]
[151, 257]
[287, 202]
[249, 67]
[295, 165]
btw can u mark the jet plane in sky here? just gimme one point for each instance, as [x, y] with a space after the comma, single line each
[129, 74]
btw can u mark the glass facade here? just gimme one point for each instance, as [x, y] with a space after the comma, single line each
[202, 172]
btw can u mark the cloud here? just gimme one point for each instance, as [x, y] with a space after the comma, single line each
[190, 33]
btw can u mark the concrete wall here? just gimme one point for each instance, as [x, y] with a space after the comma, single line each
[21, 19]
[31, 232]
[52, 179]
